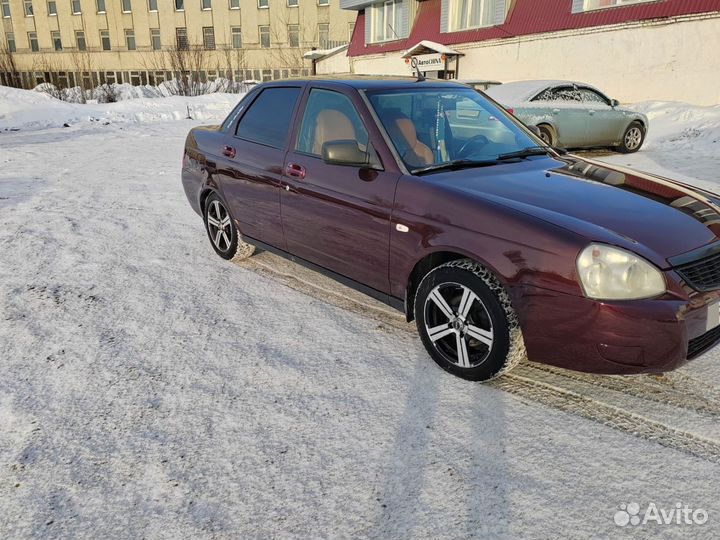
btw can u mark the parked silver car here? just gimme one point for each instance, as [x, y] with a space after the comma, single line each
[573, 114]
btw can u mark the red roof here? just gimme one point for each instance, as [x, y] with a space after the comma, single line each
[526, 18]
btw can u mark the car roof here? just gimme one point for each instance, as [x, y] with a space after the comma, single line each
[522, 91]
[373, 82]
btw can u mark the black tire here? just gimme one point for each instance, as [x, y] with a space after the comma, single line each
[633, 138]
[489, 316]
[547, 134]
[224, 238]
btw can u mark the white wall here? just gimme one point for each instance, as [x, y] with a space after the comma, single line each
[676, 60]
[335, 63]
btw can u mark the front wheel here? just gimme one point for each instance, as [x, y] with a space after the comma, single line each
[633, 138]
[222, 232]
[466, 321]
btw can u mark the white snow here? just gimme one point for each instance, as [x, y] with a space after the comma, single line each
[24, 110]
[150, 389]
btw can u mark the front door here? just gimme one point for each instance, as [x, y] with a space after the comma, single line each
[605, 124]
[252, 164]
[337, 216]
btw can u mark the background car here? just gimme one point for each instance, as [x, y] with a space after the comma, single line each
[573, 114]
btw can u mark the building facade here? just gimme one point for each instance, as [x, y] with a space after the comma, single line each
[90, 42]
[633, 49]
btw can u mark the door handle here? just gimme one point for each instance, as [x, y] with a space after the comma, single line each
[556, 111]
[228, 151]
[591, 113]
[295, 171]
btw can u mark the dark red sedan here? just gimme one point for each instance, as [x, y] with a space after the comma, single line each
[427, 195]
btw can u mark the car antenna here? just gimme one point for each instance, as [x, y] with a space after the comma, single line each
[420, 76]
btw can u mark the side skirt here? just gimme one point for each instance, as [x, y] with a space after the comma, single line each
[391, 301]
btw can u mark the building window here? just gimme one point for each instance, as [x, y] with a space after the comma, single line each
[105, 40]
[32, 38]
[263, 4]
[126, 6]
[209, 37]
[294, 35]
[11, 42]
[80, 40]
[57, 42]
[155, 39]
[100, 6]
[588, 5]
[75, 4]
[27, 4]
[179, 5]
[130, 40]
[206, 4]
[323, 2]
[385, 20]
[236, 37]
[181, 38]
[5, 8]
[292, 3]
[265, 37]
[152, 5]
[324, 35]
[234, 4]
[52, 8]
[351, 29]
[471, 14]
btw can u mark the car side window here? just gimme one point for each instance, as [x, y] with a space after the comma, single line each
[269, 118]
[590, 96]
[559, 93]
[329, 116]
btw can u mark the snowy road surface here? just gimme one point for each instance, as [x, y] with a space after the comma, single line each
[149, 389]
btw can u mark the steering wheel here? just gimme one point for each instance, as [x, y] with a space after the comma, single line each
[476, 139]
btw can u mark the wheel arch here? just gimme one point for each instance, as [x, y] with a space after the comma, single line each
[551, 125]
[432, 260]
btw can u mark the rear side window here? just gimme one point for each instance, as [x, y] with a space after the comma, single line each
[269, 117]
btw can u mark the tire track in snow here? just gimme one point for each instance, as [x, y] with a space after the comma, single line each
[609, 415]
[546, 385]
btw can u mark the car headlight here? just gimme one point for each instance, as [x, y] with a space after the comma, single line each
[610, 273]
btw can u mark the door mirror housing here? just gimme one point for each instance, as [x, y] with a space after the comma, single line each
[345, 152]
[535, 130]
[614, 103]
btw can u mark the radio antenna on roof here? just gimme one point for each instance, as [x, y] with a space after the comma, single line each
[420, 76]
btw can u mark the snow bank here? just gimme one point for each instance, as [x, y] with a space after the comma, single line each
[27, 110]
[680, 126]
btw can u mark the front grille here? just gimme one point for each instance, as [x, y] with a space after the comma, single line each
[700, 344]
[702, 275]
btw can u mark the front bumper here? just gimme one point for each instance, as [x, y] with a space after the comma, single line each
[638, 336]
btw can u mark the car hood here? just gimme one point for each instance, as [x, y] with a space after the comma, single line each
[656, 217]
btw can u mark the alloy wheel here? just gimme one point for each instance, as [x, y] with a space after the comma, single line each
[458, 325]
[219, 225]
[633, 138]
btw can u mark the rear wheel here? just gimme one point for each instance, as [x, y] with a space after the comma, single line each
[633, 138]
[547, 134]
[466, 321]
[222, 232]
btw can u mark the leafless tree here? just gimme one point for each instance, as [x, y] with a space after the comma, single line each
[8, 68]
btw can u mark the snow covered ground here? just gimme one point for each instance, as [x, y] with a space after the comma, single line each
[150, 389]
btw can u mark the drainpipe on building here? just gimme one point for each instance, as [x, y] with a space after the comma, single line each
[314, 67]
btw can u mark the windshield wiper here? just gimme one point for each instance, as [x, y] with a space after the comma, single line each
[525, 152]
[454, 165]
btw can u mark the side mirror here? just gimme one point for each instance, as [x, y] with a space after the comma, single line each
[535, 130]
[345, 152]
[614, 103]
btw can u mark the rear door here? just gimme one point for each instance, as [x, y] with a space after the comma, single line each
[252, 163]
[568, 112]
[338, 216]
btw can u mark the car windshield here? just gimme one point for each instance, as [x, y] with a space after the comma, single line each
[435, 128]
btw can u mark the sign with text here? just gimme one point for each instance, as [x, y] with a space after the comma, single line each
[428, 62]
